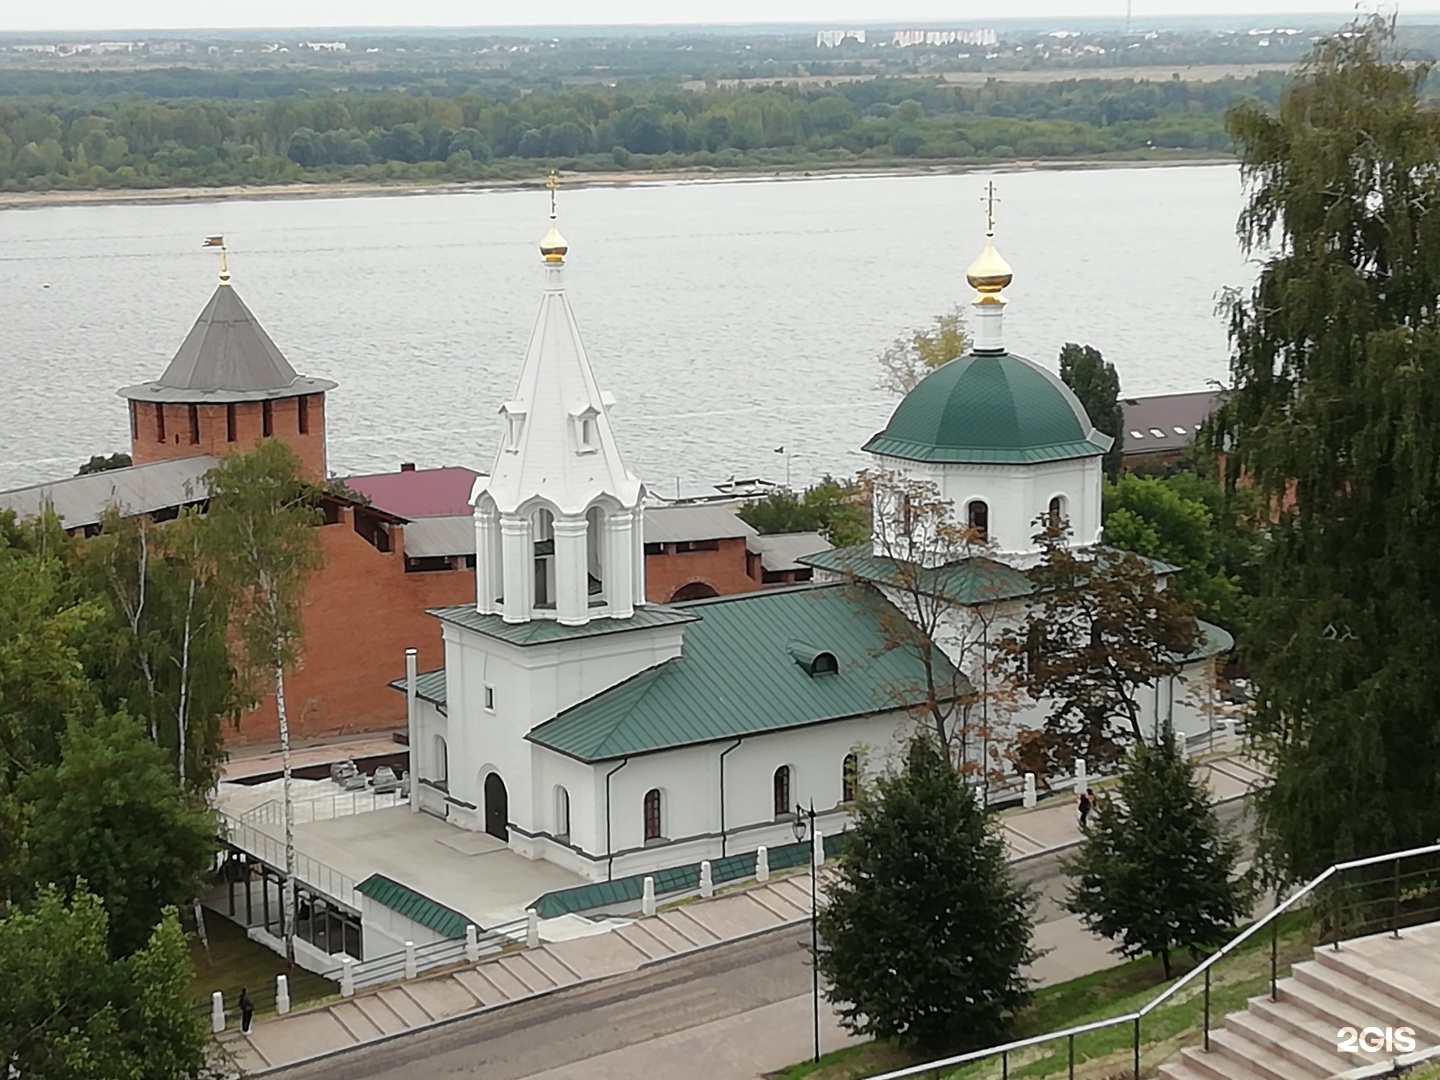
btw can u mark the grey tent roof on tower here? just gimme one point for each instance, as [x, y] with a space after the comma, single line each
[227, 357]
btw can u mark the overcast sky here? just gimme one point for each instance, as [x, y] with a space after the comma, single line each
[27, 15]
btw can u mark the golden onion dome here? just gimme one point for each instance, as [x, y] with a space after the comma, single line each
[989, 273]
[554, 247]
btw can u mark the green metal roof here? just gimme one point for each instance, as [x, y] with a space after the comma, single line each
[1214, 640]
[541, 631]
[414, 906]
[738, 676]
[429, 686]
[989, 409]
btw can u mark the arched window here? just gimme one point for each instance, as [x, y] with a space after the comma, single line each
[1055, 516]
[783, 807]
[442, 760]
[562, 813]
[653, 824]
[977, 517]
[544, 526]
[594, 554]
[850, 778]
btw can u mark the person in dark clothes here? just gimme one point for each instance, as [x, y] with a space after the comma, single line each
[247, 1010]
[1087, 803]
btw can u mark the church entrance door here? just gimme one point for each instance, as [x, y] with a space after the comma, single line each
[497, 808]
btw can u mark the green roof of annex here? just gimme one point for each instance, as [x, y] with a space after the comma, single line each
[990, 408]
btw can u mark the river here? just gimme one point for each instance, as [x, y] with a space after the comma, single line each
[728, 318]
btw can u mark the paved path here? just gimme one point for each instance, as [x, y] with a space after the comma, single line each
[693, 930]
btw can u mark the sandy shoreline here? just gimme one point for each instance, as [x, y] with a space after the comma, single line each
[342, 189]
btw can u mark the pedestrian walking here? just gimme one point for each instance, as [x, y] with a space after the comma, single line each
[247, 1010]
[1086, 803]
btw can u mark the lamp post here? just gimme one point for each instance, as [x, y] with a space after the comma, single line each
[801, 824]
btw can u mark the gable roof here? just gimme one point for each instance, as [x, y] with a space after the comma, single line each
[1166, 422]
[541, 631]
[421, 493]
[739, 675]
[138, 489]
[415, 906]
[226, 357]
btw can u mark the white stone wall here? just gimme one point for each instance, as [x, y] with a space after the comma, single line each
[384, 931]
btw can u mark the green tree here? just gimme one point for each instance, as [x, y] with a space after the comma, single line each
[1097, 384]
[910, 357]
[69, 1011]
[835, 508]
[924, 935]
[262, 549]
[101, 463]
[1336, 385]
[1156, 872]
[1101, 627]
[113, 813]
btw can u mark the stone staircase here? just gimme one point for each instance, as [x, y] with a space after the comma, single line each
[1380, 981]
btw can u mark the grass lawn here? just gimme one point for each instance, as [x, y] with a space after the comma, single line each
[1100, 1055]
[235, 961]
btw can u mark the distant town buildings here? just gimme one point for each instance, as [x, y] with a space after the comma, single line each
[830, 39]
[904, 39]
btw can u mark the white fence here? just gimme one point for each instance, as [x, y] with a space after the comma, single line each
[313, 875]
[322, 808]
[408, 963]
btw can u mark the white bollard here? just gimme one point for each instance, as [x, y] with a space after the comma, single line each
[819, 848]
[979, 793]
[410, 970]
[347, 977]
[472, 944]
[1029, 789]
[217, 1012]
[532, 930]
[1082, 780]
[282, 995]
[707, 886]
[647, 897]
[762, 864]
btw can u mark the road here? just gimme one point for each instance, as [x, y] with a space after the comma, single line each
[746, 994]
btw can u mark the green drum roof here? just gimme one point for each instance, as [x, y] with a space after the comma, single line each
[990, 409]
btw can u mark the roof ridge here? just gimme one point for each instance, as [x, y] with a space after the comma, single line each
[650, 671]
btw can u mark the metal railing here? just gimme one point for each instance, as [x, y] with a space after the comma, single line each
[1399, 888]
[439, 954]
[321, 808]
[312, 874]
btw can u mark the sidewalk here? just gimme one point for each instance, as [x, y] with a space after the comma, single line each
[498, 981]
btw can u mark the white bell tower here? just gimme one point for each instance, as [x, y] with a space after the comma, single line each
[559, 529]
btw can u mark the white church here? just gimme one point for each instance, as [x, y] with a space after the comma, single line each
[612, 737]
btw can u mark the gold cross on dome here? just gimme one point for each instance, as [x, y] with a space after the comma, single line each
[552, 183]
[990, 199]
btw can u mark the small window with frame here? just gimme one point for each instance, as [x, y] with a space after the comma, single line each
[489, 699]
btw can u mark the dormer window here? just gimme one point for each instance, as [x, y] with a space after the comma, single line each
[814, 661]
[586, 425]
[514, 414]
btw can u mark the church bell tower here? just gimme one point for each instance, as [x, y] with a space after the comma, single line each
[559, 520]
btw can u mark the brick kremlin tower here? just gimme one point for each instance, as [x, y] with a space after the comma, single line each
[227, 388]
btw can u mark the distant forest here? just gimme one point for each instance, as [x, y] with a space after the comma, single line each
[180, 129]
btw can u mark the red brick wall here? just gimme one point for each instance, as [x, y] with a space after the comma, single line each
[361, 613]
[726, 570]
[146, 445]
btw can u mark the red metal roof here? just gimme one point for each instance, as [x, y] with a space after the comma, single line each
[417, 493]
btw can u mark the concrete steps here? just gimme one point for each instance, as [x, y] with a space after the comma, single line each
[1379, 981]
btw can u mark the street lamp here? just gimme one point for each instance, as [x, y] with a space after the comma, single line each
[803, 823]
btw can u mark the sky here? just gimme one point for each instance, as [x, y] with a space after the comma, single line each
[72, 15]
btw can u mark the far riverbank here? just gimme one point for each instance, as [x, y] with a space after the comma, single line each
[340, 189]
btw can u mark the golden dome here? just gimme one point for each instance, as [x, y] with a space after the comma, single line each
[554, 247]
[989, 273]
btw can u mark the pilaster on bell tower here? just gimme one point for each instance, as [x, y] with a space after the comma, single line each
[559, 520]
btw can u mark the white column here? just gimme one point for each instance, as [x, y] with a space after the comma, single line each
[762, 863]
[1028, 799]
[486, 540]
[532, 929]
[517, 568]
[472, 944]
[217, 1012]
[707, 883]
[647, 897]
[282, 995]
[412, 727]
[620, 564]
[988, 323]
[572, 595]
[637, 551]
[818, 850]
[411, 970]
[347, 977]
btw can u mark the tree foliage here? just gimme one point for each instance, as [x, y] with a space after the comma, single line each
[1156, 871]
[1336, 373]
[834, 508]
[912, 356]
[1097, 384]
[1101, 626]
[924, 935]
[101, 463]
[69, 1011]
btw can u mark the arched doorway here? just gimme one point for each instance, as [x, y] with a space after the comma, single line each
[696, 590]
[497, 808]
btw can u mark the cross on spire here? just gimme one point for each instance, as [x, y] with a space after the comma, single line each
[552, 183]
[990, 199]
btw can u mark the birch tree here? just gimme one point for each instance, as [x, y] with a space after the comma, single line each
[262, 547]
